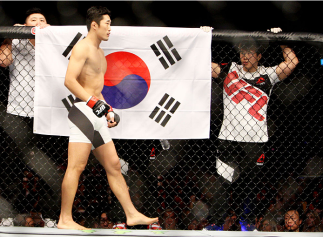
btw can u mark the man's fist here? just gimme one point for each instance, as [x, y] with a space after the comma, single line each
[113, 118]
[99, 107]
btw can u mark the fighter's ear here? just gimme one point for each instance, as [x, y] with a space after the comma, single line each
[94, 25]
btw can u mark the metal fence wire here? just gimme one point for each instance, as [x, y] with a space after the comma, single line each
[189, 184]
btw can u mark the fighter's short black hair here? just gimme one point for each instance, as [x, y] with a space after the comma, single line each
[95, 13]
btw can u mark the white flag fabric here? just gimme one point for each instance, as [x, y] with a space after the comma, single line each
[158, 80]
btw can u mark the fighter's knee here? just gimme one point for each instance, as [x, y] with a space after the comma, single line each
[79, 168]
[114, 166]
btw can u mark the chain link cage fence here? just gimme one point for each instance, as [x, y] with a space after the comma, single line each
[189, 184]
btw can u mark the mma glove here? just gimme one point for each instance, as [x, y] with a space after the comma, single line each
[114, 115]
[99, 107]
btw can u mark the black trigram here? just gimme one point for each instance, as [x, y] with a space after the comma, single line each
[67, 104]
[169, 108]
[167, 52]
[71, 45]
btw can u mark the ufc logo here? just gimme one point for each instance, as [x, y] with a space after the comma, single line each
[255, 97]
[100, 110]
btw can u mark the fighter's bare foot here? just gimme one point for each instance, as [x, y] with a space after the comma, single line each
[71, 225]
[140, 219]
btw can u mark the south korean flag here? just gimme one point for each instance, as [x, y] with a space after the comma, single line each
[158, 80]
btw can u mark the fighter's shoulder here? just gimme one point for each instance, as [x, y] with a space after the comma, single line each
[82, 45]
[81, 49]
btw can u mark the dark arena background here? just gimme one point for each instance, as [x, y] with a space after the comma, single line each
[183, 184]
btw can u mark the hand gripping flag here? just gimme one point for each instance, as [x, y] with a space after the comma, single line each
[158, 80]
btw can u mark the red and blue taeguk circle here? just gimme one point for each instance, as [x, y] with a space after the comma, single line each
[126, 81]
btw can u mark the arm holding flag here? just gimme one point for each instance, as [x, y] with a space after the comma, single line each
[5, 53]
[216, 69]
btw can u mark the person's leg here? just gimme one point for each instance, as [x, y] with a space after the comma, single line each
[107, 156]
[230, 153]
[252, 177]
[78, 154]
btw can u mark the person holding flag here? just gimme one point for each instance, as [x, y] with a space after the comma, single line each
[89, 119]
